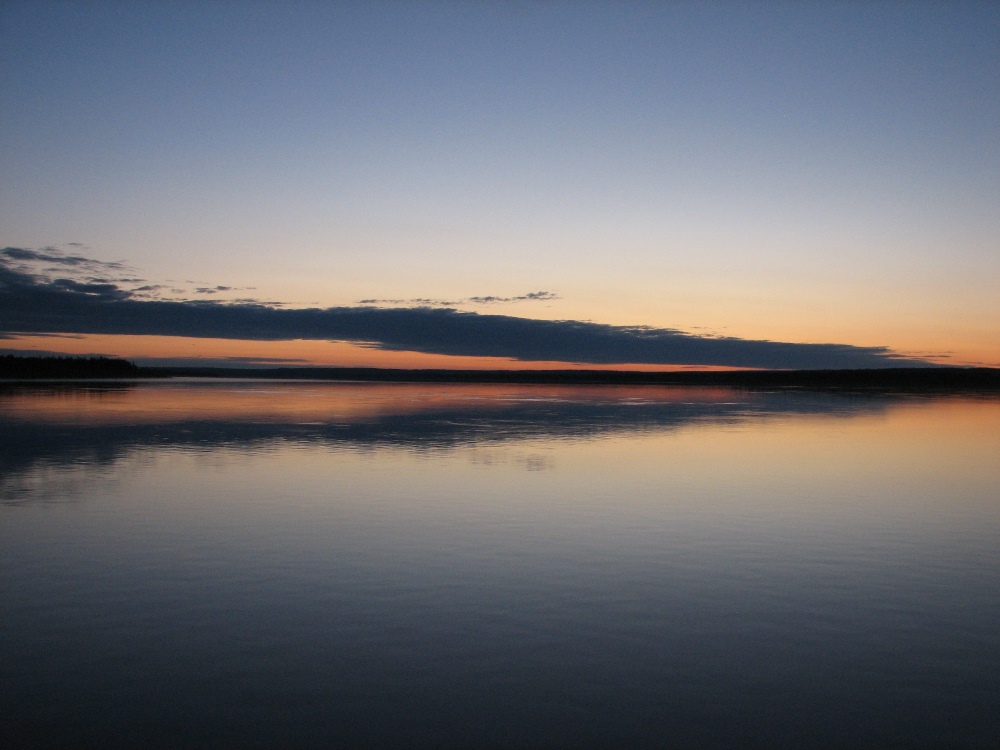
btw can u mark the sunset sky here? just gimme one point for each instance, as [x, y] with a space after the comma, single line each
[494, 184]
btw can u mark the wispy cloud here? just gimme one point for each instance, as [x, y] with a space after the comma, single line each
[529, 297]
[33, 304]
[54, 255]
[486, 300]
[212, 289]
[53, 265]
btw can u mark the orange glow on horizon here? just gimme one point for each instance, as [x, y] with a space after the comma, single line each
[298, 353]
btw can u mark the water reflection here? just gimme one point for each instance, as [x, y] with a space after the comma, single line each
[97, 424]
[335, 565]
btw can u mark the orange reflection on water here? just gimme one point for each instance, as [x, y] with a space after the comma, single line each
[273, 401]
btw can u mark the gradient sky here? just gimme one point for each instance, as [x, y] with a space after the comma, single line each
[808, 173]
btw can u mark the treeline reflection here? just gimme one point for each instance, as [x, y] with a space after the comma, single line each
[43, 428]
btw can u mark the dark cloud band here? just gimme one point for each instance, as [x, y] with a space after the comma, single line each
[34, 304]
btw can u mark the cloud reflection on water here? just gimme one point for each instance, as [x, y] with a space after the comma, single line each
[48, 427]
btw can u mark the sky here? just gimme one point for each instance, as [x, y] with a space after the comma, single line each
[502, 184]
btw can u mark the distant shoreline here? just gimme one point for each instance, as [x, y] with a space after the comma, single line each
[924, 380]
[904, 379]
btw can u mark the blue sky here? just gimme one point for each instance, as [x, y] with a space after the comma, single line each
[797, 172]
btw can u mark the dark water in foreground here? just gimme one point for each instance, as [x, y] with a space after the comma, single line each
[276, 564]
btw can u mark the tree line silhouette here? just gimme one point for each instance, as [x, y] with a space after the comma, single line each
[939, 379]
[13, 367]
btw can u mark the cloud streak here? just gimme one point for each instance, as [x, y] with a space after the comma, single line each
[58, 257]
[486, 300]
[34, 304]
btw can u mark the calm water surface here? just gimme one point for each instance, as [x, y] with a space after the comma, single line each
[275, 564]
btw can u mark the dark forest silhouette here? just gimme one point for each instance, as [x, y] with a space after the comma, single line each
[936, 379]
[917, 379]
[32, 368]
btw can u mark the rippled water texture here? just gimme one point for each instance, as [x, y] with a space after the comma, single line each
[275, 564]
